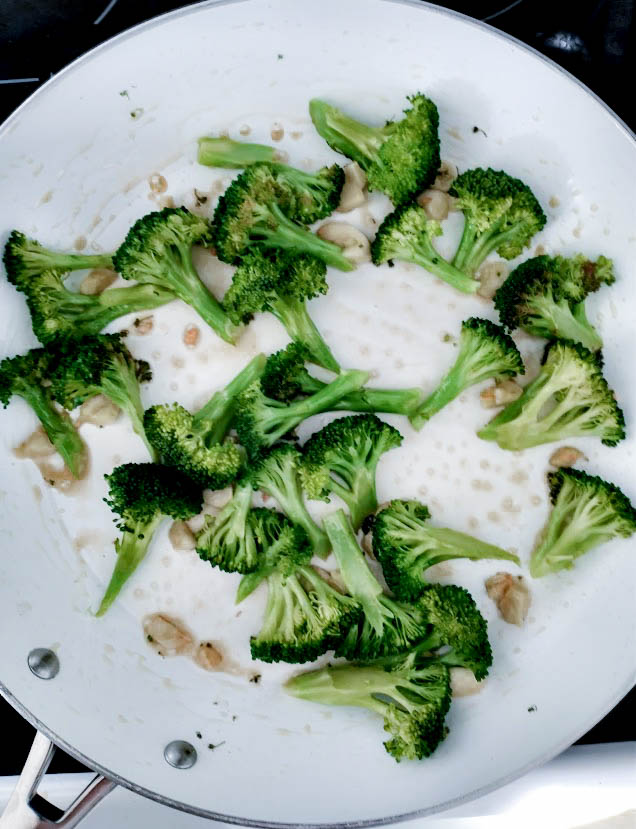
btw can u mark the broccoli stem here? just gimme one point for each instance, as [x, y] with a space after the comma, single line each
[324, 400]
[345, 685]
[64, 262]
[293, 314]
[219, 409]
[583, 331]
[58, 427]
[360, 581]
[287, 491]
[224, 152]
[131, 550]
[466, 245]
[451, 544]
[390, 401]
[344, 134]
[425, 255]
[186, 283]
[361, 499]
[486, 244]
[288, 235]
[121, 386]
[450, 387]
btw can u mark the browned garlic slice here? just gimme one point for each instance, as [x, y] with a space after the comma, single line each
[354, 244]
[511, 595]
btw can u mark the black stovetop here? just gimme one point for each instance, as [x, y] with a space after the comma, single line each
[595, 42]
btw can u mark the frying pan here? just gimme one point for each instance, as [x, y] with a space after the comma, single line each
[76, 159]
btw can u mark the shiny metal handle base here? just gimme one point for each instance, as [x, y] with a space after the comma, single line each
[26, 809]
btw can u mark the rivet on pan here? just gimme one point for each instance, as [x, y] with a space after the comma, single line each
[180, 754]
[43, 663]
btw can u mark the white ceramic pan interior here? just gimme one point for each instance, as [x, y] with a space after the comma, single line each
[74, 164]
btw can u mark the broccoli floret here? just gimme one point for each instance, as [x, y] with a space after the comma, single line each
[100, 364]
[587, 511]
[485, 352]
[455, 623]
[23, 376]
[249, 216]
[286, 378]
[406, 546]
[158, 251]
[444, 616]
[304, 616]
[224, 152]
[569, 398]
[58, 312]
[342, 459]
[412, 695]
[279, 544]
[197, 444]
[261, 421]
[281, 283]
[546, 297]
[501, 214]
[400, 159]
[277, 474]
[387, 627]
[303, 197]
[142, 495]
[407, 234]
[24, 258]
[227, 540]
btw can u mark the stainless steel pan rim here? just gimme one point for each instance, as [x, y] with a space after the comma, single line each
[59, 740]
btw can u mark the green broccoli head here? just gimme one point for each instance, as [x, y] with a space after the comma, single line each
[281, 283]
[545, 296]
[569, 398]
[586, 512]
[406, 546]
[25, 376]
[308, 197]
[158, 251]
[100, 364]
[248, 216]
[407, 235]
[286, 377]
[342, 459]
[486, 351]
[24, 258]
[455, 623]
[277, 473]
[192, 446]
[227, 540]
[141, 495]
[57, 312]
[413, 696]
[501, 214]
[304, 617]
[400, 158]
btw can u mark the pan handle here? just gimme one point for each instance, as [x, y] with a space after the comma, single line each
[28, 810]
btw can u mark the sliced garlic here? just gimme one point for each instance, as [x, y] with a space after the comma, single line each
[463, 682]
[354, 193]
[207, 656]
[217, 497]
[354, 244]
[511, 595]
[566, 456]
[181, 536]
[491, 276]
[168, 636]
[37, 445]
[98, 411]
[447, 173]
[97, 281]
[435, 203]
[500, 394]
